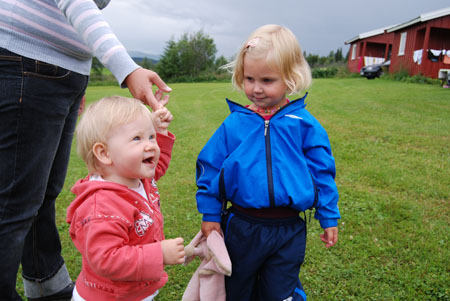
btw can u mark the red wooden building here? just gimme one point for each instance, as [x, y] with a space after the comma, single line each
[369, 48]
[419, 46]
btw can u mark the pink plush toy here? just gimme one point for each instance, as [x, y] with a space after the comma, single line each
[208, 281]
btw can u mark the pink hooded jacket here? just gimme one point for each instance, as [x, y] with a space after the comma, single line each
[119, 234]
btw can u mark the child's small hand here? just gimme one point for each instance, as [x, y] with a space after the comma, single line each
[173, 251]
[329, 236]
[161, 119]
[208, 227]
[159, 95]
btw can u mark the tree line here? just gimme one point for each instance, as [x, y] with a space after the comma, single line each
[193, 58]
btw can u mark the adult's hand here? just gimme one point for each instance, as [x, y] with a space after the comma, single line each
[140, 83]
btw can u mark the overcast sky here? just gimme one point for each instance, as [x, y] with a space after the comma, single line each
[320, 26]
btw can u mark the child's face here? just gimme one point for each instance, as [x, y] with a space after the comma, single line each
[263, 85]
[133, 151]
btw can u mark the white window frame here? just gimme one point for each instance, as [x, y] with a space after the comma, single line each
[402, 46]
[353, 52]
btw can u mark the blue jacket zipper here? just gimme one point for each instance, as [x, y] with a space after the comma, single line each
[269, 163]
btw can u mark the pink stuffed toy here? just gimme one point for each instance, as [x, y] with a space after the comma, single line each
[208, 281]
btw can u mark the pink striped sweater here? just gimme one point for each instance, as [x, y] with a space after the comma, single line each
[66, 33]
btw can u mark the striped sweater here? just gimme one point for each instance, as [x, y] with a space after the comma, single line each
[66, 33]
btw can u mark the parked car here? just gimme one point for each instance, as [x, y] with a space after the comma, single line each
[376, 70]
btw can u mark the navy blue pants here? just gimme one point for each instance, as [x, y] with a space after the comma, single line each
[38, 111]
[266, 255]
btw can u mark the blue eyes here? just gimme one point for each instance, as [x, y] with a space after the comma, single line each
[138, 138]
[265, 80]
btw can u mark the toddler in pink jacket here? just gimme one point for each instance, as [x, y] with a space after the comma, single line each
[115, 219]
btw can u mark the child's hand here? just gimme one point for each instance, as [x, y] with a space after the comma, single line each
[161, 120]
[329, 236]
[173, 251]
[208, 227]
[159, 95]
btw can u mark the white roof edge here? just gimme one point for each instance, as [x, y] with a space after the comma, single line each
[422, 18]
[367, 34]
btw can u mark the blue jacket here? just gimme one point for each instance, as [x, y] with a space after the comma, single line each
[257, 163]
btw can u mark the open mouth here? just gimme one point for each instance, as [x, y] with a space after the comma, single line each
[149, 160]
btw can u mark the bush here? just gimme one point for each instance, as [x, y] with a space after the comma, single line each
[403, 76]
[420, 79]
[102, 80]
[206, 77]
[400, 75]
[324, 72]
[344, 72]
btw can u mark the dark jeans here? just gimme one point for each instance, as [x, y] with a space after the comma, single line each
[38, 111]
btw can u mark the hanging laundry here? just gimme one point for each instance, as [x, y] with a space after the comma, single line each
[447, 58]
[417, 57]
[370, 60]
[433, 55]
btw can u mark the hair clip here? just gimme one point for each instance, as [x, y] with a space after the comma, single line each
[252, 43]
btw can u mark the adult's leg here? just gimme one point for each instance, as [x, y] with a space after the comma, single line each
[38, 104]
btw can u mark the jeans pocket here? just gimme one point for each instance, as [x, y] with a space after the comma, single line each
[46, 71]
[13, 58]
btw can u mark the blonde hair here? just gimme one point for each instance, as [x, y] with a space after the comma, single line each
[283, 53]
[98, 120]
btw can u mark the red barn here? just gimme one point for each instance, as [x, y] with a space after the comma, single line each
[419, 46]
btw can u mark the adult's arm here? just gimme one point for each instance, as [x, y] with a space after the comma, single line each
[88, 21]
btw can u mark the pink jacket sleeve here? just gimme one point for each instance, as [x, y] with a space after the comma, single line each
[106, 250]
[165, 144]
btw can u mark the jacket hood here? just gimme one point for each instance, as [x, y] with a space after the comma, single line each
[84, 188]
[296, 104]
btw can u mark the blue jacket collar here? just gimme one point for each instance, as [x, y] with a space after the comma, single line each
[296, 104]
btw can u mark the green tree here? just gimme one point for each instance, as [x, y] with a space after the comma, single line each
[169, 64]
[193, 55]
[97, 67]
[330, 59]
[338, 57]
[220, 61]
[147, 63]
[312, 59]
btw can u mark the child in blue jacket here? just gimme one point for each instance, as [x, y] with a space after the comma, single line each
[271, 160]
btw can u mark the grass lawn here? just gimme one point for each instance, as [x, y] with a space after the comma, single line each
[391, 142]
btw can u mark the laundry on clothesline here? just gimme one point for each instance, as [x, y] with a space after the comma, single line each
[371, 60]
[433, 55]
[417, 56]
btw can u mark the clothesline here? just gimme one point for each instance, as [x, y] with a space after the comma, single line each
[433, 55]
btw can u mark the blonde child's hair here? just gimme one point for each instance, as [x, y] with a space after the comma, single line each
[282, 52]
[98, 120]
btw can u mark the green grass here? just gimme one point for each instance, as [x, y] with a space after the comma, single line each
[391, 143]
